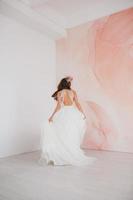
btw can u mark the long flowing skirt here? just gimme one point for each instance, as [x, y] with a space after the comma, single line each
[62, 138]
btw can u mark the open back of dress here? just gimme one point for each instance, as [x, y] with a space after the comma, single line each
[67, 97]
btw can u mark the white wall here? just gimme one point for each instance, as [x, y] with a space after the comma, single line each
[27, 79]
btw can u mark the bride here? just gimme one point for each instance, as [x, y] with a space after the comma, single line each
[64, 131]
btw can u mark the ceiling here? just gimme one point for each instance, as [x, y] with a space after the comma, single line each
[54, 17]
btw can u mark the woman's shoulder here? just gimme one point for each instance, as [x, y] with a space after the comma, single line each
[59, 93]
[74, 91]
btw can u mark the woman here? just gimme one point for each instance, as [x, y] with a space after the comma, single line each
[64, 131]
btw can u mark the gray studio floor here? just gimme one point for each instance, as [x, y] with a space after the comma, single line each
[110, 178]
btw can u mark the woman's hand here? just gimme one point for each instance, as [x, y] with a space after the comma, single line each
[50, 119]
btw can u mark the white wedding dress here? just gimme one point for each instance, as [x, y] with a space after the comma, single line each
[61, 139]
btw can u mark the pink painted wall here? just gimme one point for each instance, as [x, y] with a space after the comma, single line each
[99, 55]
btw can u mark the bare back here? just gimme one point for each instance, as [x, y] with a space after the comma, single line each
[67, 97]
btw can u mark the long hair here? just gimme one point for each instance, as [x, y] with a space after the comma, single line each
[64, 84]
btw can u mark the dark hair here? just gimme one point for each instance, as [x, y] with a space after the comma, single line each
[64, 84]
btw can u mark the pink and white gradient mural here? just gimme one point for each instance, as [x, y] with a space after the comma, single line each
[99, 55]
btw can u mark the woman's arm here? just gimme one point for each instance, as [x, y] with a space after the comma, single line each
[57, 108]
[78, 104]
